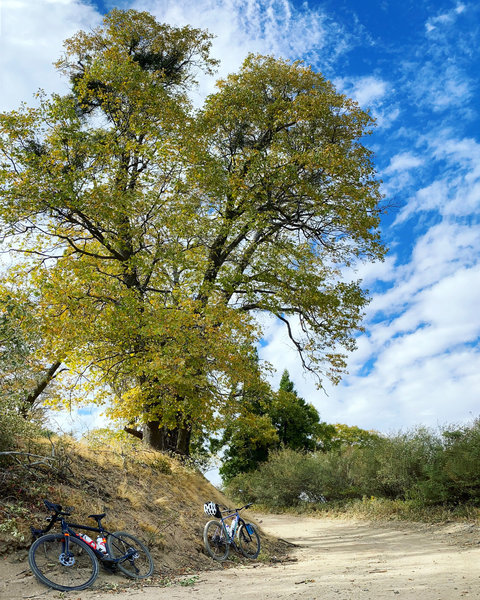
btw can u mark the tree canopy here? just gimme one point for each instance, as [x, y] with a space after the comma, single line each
[267, 421]
[155, 234]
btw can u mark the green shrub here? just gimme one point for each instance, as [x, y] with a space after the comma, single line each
[421, 467]
[13, 426]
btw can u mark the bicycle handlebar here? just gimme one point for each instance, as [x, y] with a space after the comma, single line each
[233, 510]
[56, 508]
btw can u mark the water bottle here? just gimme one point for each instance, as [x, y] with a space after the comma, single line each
[87, 539]
[101, 544]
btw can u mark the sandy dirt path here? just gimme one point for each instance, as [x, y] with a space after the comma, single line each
[332, 560]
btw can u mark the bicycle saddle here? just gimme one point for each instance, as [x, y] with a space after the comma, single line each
[97, 517]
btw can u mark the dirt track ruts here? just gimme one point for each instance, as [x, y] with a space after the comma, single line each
[332, 560]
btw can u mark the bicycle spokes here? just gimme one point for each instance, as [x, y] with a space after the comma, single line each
[216, 542]
[133, 557]
[61, 564]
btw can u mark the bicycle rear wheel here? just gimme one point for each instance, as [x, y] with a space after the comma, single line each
[248, 540]
[216, 540]
[137, 562]
[62, 569]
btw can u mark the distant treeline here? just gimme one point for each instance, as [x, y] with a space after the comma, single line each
[424, 466]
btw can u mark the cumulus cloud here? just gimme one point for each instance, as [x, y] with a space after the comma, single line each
[418, 364]
[455, 193]
[440, 84]
[368, 91]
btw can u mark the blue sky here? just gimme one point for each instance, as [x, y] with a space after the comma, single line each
[415, 66]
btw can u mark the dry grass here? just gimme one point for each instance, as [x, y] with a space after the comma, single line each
[146, 493]
[382, 509]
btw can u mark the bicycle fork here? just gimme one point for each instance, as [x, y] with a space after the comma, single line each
[66, 558]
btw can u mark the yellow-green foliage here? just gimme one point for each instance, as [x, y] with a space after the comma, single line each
[170, 229]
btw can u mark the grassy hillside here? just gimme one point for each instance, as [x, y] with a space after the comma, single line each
[144, 492]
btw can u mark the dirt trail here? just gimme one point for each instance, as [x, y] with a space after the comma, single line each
[332, 560]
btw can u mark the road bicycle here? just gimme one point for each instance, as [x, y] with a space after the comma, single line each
[218, 536]
[70, 561]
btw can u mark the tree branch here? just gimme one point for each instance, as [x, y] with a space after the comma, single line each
[40, 387]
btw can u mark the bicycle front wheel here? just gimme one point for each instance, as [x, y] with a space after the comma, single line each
[63, 563]
[216, 540]
[135, 559]
[248, 540]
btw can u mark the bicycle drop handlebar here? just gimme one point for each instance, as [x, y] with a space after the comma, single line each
[56, 508]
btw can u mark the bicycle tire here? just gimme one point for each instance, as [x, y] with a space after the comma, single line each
[54, 568]
[138, 566]
[216, 540]
[248, 541]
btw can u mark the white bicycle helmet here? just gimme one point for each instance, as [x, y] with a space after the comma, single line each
[210, 509]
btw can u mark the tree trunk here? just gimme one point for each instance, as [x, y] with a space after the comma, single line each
[160, 438]
[183, 440]
[154, 436]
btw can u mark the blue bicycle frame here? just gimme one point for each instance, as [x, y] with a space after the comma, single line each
[219, 536]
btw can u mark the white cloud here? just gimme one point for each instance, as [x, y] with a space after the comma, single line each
[437, 391]
[440, 84]
[31, 40]
[241, 27]
[438, 75]
[442, 251]
[403, 162]
[371, 272]
[445, 18]
[456, 193]
[386, 117]
[461, 153]
[424, 347]
[374, 94]
[367, 91]
[432, 197]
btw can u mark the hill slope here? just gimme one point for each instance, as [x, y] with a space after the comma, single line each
[144, 492]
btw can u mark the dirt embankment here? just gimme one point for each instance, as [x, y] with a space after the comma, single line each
[328, 559]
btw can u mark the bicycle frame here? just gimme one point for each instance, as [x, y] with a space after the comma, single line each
[67, 530]
[235, 524]
[231, 529]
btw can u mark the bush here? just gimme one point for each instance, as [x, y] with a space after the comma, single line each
[455, 477]
[14, 426]
[286, 479]
[403, 461]
[421, 466]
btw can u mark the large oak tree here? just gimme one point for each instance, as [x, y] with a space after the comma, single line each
[156, 233]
